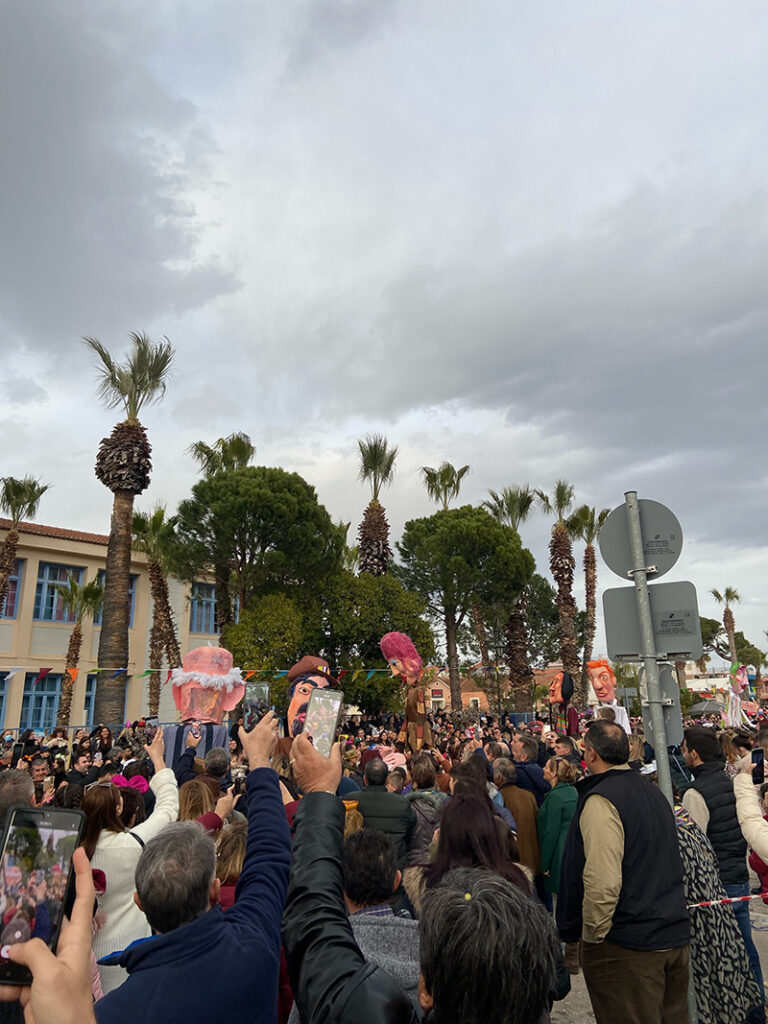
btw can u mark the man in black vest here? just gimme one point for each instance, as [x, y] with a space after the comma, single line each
[390, 813]
[621, 890]
[711, 803]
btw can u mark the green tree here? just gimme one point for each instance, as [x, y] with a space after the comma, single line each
[377, 467]
[513, 505]
[562, 566]
[123, 465]
[153, 534]
[728, 597]
[459, 557]
[261, 527]
[18, 500]
[586, 524]
[81, 600]
[232, 452]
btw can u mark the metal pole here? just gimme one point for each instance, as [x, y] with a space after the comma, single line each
[655, 707]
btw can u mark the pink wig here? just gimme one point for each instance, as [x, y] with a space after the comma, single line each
[400, 645]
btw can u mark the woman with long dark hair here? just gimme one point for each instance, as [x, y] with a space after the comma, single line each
[471, 837]
[116, 851]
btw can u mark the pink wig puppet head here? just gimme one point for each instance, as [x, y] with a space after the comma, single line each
[403, 658]
[739, 678]
[207, 685]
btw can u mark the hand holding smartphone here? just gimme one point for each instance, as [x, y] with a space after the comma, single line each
[758, 763]
[323, 716]
[36, 856]
[255, 704]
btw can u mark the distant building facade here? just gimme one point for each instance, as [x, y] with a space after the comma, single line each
[35, 629]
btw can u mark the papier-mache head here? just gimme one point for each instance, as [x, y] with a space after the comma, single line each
[207, 686]
[402, 657]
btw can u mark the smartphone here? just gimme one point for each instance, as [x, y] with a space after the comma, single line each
[255, 704]
[195, 730]
[758, 761]
[98, 757]
[151, 725]
[37, 854]
[323, 715]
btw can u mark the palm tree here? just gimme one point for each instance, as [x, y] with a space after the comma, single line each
[80, 600]
[153, 534]
[728, 597]
[18, 500]
[232, 452]
[586, 524]
[377, 467]
[562, 566]
[444, 483]
[512, 506]
[123, 465]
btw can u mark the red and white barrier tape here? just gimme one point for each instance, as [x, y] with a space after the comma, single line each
[729, 899]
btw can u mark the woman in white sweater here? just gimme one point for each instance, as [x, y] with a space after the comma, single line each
[116, 852]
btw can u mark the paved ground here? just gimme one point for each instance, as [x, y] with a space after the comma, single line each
[575, 1009]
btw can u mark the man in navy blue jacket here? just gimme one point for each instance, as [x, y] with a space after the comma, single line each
[206, 964]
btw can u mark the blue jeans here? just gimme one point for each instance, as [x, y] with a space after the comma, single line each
[741, 910]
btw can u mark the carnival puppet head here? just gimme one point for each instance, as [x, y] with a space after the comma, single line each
[402, 657]
[561, 688]
[603, 680]
[207, 685]
[739, 678]
[306, 675]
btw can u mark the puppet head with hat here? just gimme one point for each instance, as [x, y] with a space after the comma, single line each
[561, 688]
[207, 686]
[402, 657]
[309, 674]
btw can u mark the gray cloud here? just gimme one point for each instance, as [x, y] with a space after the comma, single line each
[98, 234]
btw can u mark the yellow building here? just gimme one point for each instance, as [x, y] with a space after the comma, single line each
[35, 630]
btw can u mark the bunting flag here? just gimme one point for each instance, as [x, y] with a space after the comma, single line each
[73, 672]
[283, 672]
[118, 672]
[356, 673]
[248, 675]
[149, 672]
[168, 677]
[12, 672]
[344, 672]
[41, 675]
[370, 674]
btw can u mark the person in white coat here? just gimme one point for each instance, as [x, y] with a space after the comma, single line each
[116, 852]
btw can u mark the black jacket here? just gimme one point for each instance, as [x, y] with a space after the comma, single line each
[650, 913]
[723, 830]
[329, 976]
[391, 813]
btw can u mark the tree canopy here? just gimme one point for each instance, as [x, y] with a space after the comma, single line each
[259, 526]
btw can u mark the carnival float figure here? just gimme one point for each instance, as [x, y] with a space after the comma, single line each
[405, 661]
[603, 680]
[563, 718]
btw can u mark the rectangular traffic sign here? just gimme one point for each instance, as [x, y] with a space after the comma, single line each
[674, 615]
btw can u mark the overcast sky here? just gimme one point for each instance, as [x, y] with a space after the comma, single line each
[527, 237]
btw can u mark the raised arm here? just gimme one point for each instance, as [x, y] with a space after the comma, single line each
[166, 792]
[263, 882]
[329, 976]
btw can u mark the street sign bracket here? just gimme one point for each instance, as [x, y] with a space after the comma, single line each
[648, 568]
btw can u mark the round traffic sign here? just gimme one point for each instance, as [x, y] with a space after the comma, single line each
[662, 539]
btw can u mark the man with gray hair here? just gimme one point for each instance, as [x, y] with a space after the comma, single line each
[203, 964]
[216, 765]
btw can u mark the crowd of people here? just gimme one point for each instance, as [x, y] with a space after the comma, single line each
[466, 881]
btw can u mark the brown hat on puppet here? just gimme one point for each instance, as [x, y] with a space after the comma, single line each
[207, 686]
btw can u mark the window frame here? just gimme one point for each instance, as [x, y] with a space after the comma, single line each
[46, 592]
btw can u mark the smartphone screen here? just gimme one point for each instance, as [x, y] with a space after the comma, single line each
[34, 872]
[255, 704]
[323, 714]
[151, 726]
[758, 771]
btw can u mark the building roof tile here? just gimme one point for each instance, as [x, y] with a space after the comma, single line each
[57, 532]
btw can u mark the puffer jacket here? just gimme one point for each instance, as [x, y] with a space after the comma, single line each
[427, 805]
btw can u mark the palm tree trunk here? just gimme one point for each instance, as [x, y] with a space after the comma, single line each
[222, 575]
[7, 560]
[521, 678]
[155, 660]
[453, 661]
[562, 565]
[109, 702]
[590, 584]
[68, 683]
[730, 629]
[162, 609]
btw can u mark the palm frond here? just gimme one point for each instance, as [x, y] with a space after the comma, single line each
[141, 380]
[377, 462]
[19, 498]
